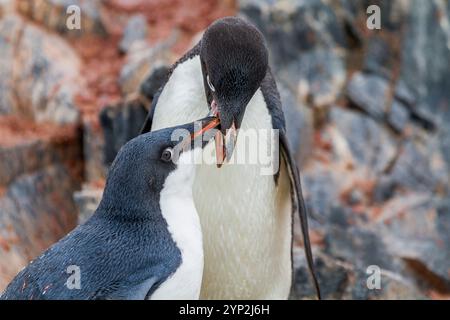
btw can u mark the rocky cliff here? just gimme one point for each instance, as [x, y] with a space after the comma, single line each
[367, 114]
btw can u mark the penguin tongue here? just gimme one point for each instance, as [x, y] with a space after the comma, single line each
[220, 148]
[219, 138]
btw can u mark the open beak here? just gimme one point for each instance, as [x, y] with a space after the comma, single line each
[225, 144]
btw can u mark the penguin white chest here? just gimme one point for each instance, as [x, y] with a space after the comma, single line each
[245, 216]
[178, 209]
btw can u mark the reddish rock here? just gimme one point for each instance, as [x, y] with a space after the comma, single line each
[40, 76]
[41, 168]
[53, 15]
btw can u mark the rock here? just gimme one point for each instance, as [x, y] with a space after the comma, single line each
[41, 168]
[419, 167]
[294, 27]
[355, 197]
[135, 30]
[398, 116]
[392, 13]
[425, 56]
[93, 150]
[318, 75]
[10, 28]
[393, 286]
[419, 113]
[142, 64]
[378, 58]
[445, 145]
[343, 280]
[299, 123]
[42, 75]
[26, 147]
[405, 95]
[303, 39]
[416, 228]
[358, 245]
[155, 79]
[362, 88]
[361, 91]
[37, 210]
[5, 7]
[333, 277]
[370, 146]
[121, 123]
[320, 185]
[87, 201]
[384, 189]
[53, 15]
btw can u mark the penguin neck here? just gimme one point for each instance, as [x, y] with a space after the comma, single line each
[130, 203]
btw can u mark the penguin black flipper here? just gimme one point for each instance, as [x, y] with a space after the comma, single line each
[195, 51]
[273, 102]
[101, 275]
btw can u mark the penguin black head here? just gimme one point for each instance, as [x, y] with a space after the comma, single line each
[141, 167]
[234, 61]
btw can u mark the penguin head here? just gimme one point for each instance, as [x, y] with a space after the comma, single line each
[234, 59]
[142, 166]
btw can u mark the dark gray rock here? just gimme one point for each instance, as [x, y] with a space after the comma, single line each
[343, 280]
[355, 197]
[320, 191]
[303, 37]
[420, 114]
[358, 246]
[445, 144]
[425, 57]
[120, 124]
[392, 13]
[378, 58]
[135, 30]
[154, 81]
[318, 75]
[405, 95]
[333, 278]
[371, 94]
[414, 169]
[398, 116]
[311, 24]
[416, 228]
[299, 123]
[384, 189]
[93, 150]
[36, 211]
[370, 145]
[87, 201]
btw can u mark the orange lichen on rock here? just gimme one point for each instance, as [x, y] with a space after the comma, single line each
[101, 67]
[188, 17]
[15, 130]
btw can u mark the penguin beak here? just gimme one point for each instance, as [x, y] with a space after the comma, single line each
[226, 138]
[211, 123]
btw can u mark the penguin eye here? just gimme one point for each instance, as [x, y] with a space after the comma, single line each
[210, 84]
[167, 155]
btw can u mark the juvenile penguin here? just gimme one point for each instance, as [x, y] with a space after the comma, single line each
[248, 233]
[144, 240]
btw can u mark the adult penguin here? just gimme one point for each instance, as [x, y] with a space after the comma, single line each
[248, 231]
[144, 241]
